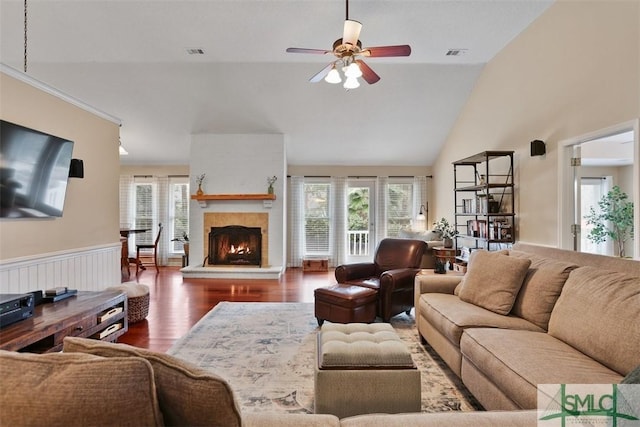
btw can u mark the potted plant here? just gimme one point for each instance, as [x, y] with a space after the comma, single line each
[271, 181]
[185, 242]
[447, 230]
[613, 220]
[199, 181]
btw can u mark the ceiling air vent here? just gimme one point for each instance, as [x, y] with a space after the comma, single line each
[195, 51]
[456, 52]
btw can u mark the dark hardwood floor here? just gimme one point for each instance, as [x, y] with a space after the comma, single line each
[176, 304]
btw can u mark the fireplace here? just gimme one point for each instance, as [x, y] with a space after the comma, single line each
[235, 245]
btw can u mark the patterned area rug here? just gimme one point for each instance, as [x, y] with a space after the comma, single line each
[267, 353]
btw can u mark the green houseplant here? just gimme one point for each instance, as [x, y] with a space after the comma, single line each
[613, 220]
[185, 242]
[447, 230]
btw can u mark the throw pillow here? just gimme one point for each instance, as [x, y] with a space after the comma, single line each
[541, 288]
[188, 395]
[493, 280]
[61, 389]
[597, 314]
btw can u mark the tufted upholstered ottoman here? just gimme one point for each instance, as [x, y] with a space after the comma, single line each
[345, 304]
[362, 369]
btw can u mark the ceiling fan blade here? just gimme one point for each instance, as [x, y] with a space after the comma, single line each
[305, 50]
[322, 74]
[351, 32]
[380, 51]
[368, 74]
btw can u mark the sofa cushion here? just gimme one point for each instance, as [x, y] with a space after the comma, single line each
[493, 280]
[450, 316]
[61, 389]
[187, 394]
[541, 287]
[517, 361]
[597, 313]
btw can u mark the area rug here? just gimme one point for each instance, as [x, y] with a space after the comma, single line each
[266, 351]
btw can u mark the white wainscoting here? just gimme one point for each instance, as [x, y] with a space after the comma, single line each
[85, 269]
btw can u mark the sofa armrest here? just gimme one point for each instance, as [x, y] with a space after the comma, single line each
[355, 271]
[429, 282]
[398, 279]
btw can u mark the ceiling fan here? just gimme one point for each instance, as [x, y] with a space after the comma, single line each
[349, 50]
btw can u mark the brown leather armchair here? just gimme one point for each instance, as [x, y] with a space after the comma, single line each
[392, 273]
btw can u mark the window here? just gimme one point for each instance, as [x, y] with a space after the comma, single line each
[343, 218]
[317, 219]
[399, 207]
[178, 211]
[592, 190]
[143, 214]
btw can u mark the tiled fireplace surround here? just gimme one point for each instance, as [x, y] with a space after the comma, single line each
[246, 219]
[238, 164]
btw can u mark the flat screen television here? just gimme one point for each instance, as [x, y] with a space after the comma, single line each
[34, 172]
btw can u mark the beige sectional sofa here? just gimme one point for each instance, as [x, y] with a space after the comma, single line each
[572, 319]
[533, 315]
[95, 383]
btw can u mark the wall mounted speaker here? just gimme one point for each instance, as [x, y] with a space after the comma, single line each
[538, 148]
[76, 169]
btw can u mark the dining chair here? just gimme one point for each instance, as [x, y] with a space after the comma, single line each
[147, 252]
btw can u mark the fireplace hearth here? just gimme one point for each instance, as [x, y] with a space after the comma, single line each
[235, 245]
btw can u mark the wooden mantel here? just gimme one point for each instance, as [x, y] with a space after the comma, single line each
[203, 199]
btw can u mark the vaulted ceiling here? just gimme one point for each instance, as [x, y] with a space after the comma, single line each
[130, 59]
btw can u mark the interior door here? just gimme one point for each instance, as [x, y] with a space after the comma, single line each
[360, 220]
[599, 161]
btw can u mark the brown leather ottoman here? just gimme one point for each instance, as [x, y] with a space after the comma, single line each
[345, 304]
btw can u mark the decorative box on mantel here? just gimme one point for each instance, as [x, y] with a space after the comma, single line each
[204, 199]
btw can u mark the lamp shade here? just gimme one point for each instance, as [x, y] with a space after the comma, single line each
[333, 77]
[353, 70]
[420, 224]
[351, 32]
[351, 83]
[122, 151]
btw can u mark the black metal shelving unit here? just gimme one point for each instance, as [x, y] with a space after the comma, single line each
[484, 201]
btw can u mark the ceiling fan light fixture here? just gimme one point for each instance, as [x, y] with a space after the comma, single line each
[351, 83]
[353, 70]
[351, 32]
[333, 77]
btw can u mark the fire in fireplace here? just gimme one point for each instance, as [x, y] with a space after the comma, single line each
[235, 245]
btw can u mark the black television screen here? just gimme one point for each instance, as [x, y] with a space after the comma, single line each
[34, 171]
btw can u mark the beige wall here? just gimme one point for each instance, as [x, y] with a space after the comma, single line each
[90, 215]
[573, 71]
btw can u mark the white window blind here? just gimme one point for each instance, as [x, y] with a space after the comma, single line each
[399, 207]
[178, 211]
[317, 218]
[143, 211]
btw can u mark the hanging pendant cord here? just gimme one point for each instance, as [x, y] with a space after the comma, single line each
[347, 2]
[25, 36]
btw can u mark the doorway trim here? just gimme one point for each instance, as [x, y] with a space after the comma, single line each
[565, 181]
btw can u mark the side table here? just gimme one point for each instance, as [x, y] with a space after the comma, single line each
[443, 254]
